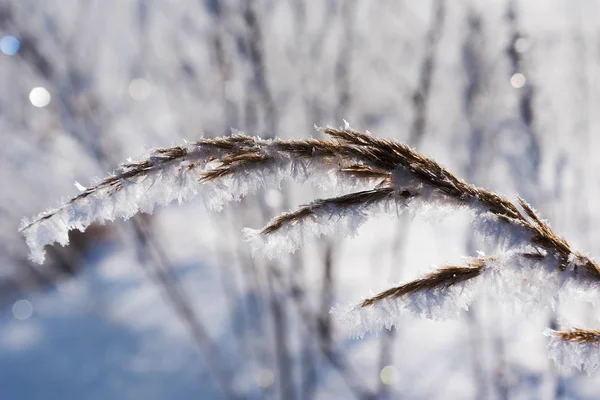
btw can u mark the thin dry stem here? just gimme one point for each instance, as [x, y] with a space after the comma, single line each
[205, 150]
[580, 335]
[364, 171]
[366, 158]
[352, 200]
[443, 278]
[358, 154]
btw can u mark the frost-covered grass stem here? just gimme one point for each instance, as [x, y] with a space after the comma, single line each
[374, 175]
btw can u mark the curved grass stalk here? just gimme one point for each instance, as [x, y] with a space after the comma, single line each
[391, 173]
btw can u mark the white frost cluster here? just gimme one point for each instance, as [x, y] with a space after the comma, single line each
[329, 221]
[516, 284]
[176, 180]
[437, 304]
[520, 278]
[578, 287]
[569, 355]
[496, 232]
[427, 203]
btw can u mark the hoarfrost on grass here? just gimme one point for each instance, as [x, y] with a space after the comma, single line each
[533, 269]
[516, 283]
[424, 203]
[568, 355]
[437, 304]
[328, 221]
[179, 179]
[498, 233]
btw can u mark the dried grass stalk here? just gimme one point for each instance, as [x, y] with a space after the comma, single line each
[443, 278]
[580, 335]
[392, 169]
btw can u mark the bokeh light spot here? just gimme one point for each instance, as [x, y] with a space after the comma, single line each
[22, 310]
[518, 80]
[9, 45]
[139, 89]
[388, 375]
[39, 96]
[265, 378]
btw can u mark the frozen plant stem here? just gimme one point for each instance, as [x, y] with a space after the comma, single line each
[534, 264]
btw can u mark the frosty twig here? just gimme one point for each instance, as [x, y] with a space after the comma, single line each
[391, 177]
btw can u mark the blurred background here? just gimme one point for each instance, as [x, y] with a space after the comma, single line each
[172, 305]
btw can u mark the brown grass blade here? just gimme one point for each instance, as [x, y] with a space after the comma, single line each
[440, 279]
[580, 335]
[352, 200]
